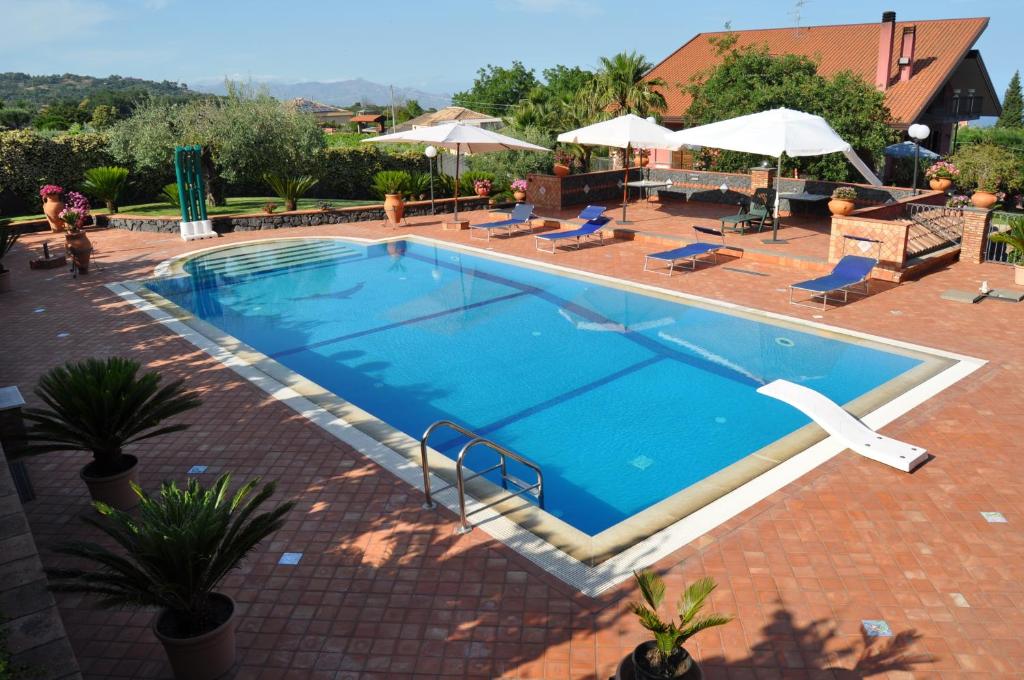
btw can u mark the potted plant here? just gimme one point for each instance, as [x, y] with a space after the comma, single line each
[482, 187]
[664, 657]
[958, 201]
[392, 184]
[106, 183]
[53, 204]
[843, 200]
[563, 163]
[8, 237]
[1014, 240]
[941, 175]
[989, 168]
[985, 196]
[173, 554]
[290, 189]
[102, 406]
[74, 217]
[518, 187]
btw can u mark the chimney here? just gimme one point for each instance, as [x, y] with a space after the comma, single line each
[907, 53]
[885, 40]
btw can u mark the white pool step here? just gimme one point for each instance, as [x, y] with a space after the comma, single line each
[837, 422]
[255, 262]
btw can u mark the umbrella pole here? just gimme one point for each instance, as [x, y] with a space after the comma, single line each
[625, 186]
[458, 152]
[775, 217]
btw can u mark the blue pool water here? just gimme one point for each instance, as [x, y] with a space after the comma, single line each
[622, 398]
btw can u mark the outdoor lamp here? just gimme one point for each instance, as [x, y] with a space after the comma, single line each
[430, 152]
[918, 132]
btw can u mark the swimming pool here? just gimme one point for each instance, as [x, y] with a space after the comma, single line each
[626, 400]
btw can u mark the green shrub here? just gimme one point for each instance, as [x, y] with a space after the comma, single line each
[290, 189]
[29, 159]
[107, 183]
[989, 168]
[169, 194]
[391, 182]
[348, 172]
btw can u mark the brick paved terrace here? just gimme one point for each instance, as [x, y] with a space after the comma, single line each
[387, 590]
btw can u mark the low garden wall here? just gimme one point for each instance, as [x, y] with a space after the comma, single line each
[224, 224]
[551, 192]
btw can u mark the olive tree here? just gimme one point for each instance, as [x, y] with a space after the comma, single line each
[244, 135]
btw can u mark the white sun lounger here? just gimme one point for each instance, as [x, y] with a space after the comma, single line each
[837, 422]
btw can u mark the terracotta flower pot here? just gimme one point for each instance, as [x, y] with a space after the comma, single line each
[394, 207]
[483, 192]
[940, 184]
[690, 668]
[839, 206]
[983, 199]
[203, 657]
[114, 490]
[644, 161]
[1018, 274]
[81, 249]
[520, 196]
[561, 170]
[52, 205]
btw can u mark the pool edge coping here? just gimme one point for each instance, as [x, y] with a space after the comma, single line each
[589, 580]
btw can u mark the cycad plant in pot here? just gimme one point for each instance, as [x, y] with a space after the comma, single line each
[8, 237]
[173, 554]
[102, 406]
[1014, 240]
[392, 184]
[290, 189]
[106, 183]
[665, 657]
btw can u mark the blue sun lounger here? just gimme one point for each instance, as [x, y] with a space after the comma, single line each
[594, 220]
[849, 272]
[521, 215]
[688, 253]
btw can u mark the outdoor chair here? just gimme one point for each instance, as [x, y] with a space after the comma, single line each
[688, 253]
[849, 274]
[591, 228]
[521, 215]
[758, 213]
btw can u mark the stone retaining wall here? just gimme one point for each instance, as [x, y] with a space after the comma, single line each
[223, 224]
[31, 629]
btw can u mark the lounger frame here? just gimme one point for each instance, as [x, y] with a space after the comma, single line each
[691, 258]
[847, 290]
[537, 239]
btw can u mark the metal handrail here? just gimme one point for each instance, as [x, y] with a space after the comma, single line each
[460, 480]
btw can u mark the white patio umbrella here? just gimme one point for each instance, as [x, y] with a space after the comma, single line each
[458, 137]
[625, 132]
[773, 133]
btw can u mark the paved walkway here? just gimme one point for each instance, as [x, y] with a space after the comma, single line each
[385, 590]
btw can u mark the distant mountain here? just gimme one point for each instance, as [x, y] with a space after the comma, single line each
[339, 92]
[39, 90]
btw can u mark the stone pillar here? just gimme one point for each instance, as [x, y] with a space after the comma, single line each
[972, 245]
[762, 178]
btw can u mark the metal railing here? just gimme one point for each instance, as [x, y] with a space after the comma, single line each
[997, 252]
[476, 440]
[933, 228]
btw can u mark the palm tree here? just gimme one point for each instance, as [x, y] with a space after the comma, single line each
[622, 87]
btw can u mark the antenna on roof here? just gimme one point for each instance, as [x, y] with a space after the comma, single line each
[796, 12]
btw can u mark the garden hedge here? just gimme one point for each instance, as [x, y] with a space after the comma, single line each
[29, 159]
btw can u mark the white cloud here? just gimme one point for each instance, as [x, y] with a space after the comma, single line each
[42, 24]
[551, 6]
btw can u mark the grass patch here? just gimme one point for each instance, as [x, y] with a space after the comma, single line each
[250, 204]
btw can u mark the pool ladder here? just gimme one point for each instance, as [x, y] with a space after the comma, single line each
[476, 440]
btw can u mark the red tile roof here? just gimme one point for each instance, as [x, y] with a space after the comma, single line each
[368, 118]
[940, 47]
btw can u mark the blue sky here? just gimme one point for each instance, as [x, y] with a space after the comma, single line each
[431, 46]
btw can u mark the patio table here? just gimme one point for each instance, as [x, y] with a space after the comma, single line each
[648, 184]
[805, 197]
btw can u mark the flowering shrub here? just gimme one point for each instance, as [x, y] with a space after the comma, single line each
[845, 194]
[76, 212]
[48, 190]
[518, 185]
[482, 184]
[77, 201]
[942, 170]
[958, 201]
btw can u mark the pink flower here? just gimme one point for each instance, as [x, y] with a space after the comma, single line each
[519, 185]
[49, 189]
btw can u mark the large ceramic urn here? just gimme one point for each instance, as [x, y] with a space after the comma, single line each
[53, 204]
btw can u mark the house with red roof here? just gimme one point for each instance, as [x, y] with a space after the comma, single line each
[929, 70]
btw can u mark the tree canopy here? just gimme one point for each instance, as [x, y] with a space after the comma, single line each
[1013, 105]
[496, 89]
[751, 79]
[243, 135]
